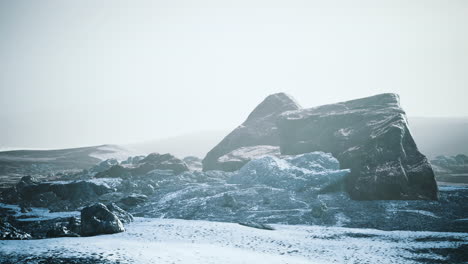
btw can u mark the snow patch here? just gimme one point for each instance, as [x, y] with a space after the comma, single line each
[184, 241]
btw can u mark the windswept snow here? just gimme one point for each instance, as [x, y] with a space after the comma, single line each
[188, 241]
[111, 152]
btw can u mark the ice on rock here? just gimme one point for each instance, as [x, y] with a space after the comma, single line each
[314, 170]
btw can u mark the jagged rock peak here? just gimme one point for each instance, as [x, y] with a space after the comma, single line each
[274, 104]
[259, 129]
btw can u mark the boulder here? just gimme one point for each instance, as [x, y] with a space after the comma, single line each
[98, 219]
[259, 129]
[160, 162]
[371, 137]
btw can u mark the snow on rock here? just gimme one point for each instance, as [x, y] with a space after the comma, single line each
[371, 137]
[312, 170]
[259, 129]
[237, 158]
[183, 241]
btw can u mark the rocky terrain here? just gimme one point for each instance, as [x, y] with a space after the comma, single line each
[326, 176]
[303, 189]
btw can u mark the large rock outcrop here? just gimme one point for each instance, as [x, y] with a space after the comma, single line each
[371, 137]
[259, 129]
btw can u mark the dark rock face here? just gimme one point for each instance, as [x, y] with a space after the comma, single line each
[54, 195]
[97, 220]
[259, 129]
[371, 137]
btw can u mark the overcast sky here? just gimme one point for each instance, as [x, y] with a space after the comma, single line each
[76, 73]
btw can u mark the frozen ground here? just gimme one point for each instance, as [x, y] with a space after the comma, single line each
[188, 241]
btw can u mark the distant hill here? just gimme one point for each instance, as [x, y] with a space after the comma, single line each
[15, 164]
[440, 136]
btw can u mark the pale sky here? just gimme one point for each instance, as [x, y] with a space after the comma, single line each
[75, 73]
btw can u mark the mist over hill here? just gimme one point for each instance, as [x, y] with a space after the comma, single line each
[440, 136]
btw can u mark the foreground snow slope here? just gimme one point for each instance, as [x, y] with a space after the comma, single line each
[187, 241]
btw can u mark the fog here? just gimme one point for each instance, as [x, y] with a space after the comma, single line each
[93, 72]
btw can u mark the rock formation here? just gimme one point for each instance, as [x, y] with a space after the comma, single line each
[371, 137]
[259, 129]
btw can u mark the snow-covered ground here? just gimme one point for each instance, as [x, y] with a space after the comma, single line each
[37, 213]
[187, 241]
